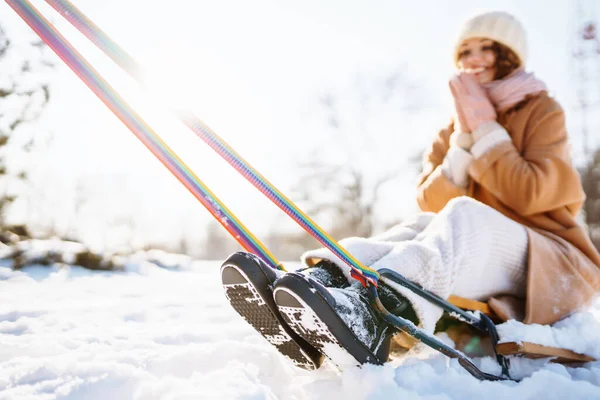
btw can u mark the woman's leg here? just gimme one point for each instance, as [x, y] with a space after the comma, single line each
[470, 249]
[474, 250]
[467, 249]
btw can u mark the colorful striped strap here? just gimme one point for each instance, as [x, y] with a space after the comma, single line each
[141, 129]
[85, 26]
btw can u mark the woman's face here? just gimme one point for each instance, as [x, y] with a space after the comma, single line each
[476, 56]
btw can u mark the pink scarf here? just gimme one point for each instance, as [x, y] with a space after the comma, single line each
[505, 93]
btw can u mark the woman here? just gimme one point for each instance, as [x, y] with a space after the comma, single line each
[499, 197]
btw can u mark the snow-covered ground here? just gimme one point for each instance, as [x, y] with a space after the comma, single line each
[163, 330]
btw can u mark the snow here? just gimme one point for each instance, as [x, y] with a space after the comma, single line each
[580, 332]
[161, 328]
[353, 319]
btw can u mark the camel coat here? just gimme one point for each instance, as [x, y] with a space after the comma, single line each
[532, 181]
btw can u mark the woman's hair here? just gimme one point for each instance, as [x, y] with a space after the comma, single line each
[506, 60]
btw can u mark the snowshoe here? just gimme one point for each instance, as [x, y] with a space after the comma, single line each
[248, 283]
[339, 322]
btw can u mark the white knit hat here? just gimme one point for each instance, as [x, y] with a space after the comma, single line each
[498, 26]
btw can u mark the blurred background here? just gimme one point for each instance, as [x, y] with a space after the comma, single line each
[332, 101]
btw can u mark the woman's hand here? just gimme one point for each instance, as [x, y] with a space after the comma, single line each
[473, 107]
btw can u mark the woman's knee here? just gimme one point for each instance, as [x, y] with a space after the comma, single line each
[462, 205]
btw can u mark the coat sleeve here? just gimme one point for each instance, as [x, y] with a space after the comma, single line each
[538, 179]
[434, 189]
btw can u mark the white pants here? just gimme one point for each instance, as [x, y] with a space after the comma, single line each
[467, 249]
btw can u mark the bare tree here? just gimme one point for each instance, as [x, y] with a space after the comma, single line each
[343, 189]
[218, 243]
[23, 94]
[344, 195]
[590, 178]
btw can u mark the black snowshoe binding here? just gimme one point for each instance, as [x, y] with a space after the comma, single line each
[339, 322]
[248, 284]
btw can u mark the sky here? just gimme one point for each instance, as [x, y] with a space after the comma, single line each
[255, 73]
[161, 329]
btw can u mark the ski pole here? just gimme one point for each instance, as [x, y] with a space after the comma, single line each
[128, 64]
[140, 129]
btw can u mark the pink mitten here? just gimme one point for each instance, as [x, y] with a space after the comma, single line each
[460, 122]
[471, 101]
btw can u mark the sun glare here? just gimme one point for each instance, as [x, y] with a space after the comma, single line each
[175, 78]
[169, 76]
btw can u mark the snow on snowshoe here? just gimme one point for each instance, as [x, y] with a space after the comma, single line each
[339, 322]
